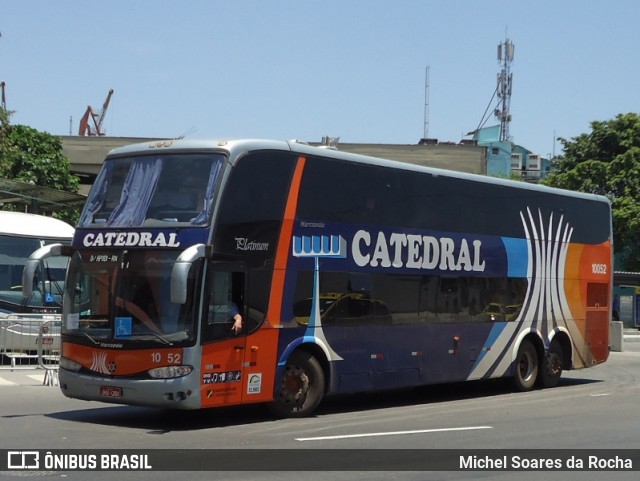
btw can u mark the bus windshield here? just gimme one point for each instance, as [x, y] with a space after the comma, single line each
[47, 284]
[124, 296]
[153, 191]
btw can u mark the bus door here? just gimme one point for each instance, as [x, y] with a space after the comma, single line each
[223, 349]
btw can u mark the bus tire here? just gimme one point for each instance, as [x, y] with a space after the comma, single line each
[301, 387]
[551, 365]
[526, 367]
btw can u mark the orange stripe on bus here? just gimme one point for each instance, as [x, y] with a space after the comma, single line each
[284, 246]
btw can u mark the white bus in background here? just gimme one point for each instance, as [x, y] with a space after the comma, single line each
[20, 317]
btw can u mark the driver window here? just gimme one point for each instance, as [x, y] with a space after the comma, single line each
[226, 301]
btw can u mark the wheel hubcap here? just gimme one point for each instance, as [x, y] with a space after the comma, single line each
[554, 366]
[295, 385]
[526, 367]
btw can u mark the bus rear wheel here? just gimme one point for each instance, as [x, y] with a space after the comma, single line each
[526, 368]
[551, 368]
[301, 387]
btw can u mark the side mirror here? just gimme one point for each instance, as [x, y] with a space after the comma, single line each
[34, 261]
[180, 272]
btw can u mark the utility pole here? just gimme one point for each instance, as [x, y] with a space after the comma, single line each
[426, 103]
[3, 101]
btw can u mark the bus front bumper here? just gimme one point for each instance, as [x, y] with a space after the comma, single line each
[178, 393]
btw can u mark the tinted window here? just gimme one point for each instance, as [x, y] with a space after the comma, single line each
[257, 188]
[253, 205]
[153, 191]
[337, 190]
[403, 299]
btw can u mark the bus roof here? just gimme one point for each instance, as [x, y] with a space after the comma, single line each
[238, 146]
[33, 225]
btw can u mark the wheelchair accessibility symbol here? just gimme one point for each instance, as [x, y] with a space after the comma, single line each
[123, 326]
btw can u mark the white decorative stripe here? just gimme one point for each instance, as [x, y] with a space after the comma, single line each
[99, 363]
[545, 307]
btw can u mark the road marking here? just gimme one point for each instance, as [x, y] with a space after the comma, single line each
[393, 433]
[601, 394]
[4, 382]
[35, 377]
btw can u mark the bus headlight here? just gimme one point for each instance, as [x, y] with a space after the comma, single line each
[69, 365]
[169, 372]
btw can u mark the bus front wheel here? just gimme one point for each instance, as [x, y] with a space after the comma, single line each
[301, 387]
[526, 368]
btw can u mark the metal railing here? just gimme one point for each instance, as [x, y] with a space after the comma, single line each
[29, 341]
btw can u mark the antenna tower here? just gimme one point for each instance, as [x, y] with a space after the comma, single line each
[3, 99]
[426, 104]
[505, 56]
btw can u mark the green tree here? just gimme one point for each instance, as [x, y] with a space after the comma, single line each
[606, 161]
[36, 157]
[4, 134]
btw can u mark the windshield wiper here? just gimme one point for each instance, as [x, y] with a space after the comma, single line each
[159, 337]
[91, 338]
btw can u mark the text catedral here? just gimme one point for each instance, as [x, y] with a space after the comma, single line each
[415, 251]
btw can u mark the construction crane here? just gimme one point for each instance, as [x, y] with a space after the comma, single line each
[96, 117]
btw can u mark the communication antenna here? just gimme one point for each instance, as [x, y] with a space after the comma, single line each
[3, 99]
[426, 103]
[505, 77]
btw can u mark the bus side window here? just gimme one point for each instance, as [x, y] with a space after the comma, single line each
[226, 298]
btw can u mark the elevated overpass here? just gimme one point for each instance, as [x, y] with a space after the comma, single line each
[86, 154]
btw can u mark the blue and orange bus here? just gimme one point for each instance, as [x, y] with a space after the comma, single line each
[351, 273]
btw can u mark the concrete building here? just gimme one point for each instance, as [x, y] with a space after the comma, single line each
[86, 154]
[506, 159]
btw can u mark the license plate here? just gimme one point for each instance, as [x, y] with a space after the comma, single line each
[110, 391]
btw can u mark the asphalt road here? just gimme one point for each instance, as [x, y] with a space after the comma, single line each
[590, 409]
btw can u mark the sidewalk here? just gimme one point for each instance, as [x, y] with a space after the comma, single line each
[631, 335]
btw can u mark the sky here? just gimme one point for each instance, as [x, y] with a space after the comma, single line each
[287, 69]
